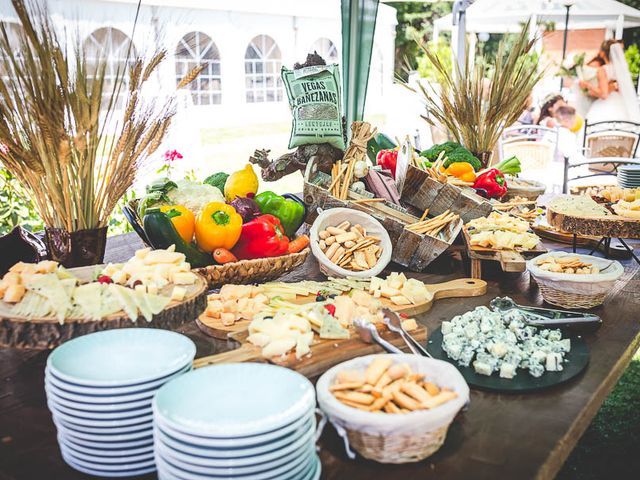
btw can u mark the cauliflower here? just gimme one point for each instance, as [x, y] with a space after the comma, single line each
[194, 195]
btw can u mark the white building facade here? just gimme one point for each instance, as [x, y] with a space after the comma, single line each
[244, 42]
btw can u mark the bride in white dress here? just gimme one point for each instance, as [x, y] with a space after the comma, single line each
[615, 96]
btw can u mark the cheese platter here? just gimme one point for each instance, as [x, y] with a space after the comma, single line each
[500, 238]
[44, 304]
[324, 354]
[308, 292]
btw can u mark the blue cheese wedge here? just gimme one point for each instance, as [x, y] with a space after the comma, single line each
[331, 329]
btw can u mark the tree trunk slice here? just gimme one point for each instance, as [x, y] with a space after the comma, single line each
[612, 226]
[324, 353]
[47, 332]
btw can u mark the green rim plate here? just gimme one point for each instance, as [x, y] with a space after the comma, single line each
[578, 359]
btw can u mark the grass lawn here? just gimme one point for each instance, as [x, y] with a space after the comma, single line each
[610, 448]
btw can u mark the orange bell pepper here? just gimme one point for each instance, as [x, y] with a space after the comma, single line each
[182, 219]
[218, 225]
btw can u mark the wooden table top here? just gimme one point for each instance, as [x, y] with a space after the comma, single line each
[499, 436]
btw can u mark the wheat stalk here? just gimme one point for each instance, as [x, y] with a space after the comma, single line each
[477, 103]
[59, 136]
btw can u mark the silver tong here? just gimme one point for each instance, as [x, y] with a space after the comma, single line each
[545, 317]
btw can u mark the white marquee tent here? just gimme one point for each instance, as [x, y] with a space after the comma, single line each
[507, 16]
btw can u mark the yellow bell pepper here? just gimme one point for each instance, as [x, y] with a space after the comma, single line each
[182, 219]
[241, 183]
[457, 169]
[218, 225]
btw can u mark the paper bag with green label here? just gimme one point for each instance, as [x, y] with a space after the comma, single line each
[314, 98]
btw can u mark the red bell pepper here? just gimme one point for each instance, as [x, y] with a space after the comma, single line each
[388, 159]
[261, 237]
[493, 182]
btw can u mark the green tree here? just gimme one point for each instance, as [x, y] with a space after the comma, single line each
[415, 20]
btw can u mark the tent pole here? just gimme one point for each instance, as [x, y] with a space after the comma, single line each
[459, 19]
[564, 39]
[619, 27]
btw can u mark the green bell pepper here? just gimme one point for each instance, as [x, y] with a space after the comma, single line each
[290, 212]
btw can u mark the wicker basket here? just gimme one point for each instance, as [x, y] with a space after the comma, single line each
[576, 291]
[394, 438]
[259, 270]
[242, 272]
[531, 191]
[570, 300]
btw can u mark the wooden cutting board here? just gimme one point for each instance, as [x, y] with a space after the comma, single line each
[461, 287]
[324, 353]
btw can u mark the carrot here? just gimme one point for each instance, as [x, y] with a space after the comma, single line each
[222, 255]
[298, 244]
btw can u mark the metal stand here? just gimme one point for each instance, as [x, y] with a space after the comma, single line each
[607, 245]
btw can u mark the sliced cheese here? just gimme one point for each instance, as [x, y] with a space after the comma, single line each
[125, 298]
[88, 299]
[52, 288]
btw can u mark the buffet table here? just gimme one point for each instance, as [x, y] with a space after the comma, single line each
[499, 436]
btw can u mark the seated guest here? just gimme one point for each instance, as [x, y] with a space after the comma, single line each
[565, 116]
[546, 119]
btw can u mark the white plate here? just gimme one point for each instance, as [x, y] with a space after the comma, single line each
[121, 357]
[113, 446]
[107, 469]
[240, 442]
[126, 390]
[95, 437]
[231, 453]
[98, 399]
[116, 430]
[102, 473]
[88, 414]
[238, 464]
[192, 403]
[99, 459]
[96, 407]
[88, 422]
[280, 465]
[106, 453]
[288, 472]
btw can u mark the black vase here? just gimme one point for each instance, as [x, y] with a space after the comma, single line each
[76, 249]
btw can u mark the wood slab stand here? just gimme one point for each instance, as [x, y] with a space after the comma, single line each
[22, 332]
[512, 261]
[612, 226]
[459, 288]
[324, 353]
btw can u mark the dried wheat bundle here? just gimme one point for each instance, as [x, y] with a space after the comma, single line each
[59, 133]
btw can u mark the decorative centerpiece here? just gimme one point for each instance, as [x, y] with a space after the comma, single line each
[477, 103]
[73, 132]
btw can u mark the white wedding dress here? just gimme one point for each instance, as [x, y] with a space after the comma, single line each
[621, 104]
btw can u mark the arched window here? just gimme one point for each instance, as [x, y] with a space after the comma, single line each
[326, 49]
[198, 48]
[262, 63]
[113, 46]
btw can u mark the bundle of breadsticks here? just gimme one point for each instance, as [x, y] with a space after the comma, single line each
[389, 388]
[433, 226]
[349, 246]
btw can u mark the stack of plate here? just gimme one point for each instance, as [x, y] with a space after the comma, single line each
[629, 176]
[244, 421]
[99, 390]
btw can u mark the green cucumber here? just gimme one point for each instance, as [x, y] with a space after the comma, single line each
[162, 234]
[379, 142]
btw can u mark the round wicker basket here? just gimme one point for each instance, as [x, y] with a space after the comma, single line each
[259, 270]
[394, 438]
[569, 300]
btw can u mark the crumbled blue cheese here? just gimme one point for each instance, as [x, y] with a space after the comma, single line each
[503, 342]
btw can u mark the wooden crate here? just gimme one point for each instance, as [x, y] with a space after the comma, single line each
[410, 249]
[422, 192]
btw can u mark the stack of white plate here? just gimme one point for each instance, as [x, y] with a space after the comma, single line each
[244, 421]
[629, 176]
[99, 390]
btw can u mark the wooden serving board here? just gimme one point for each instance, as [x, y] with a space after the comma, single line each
[461, 287]
[612, 226]
[47, 332]
[324, 353]
[510, 260]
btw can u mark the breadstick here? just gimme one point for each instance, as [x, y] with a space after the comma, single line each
[395, 372]
[346, 386]
[415, 392]
[350, 376]
[443, 397]
[344, 225]
[391, 407]
[376, 369]
[383, 381]
[335, 231]
[359, 406]
[431, 388]
[332, 249]
[378, 404]
[405, 401]
[356, 397]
